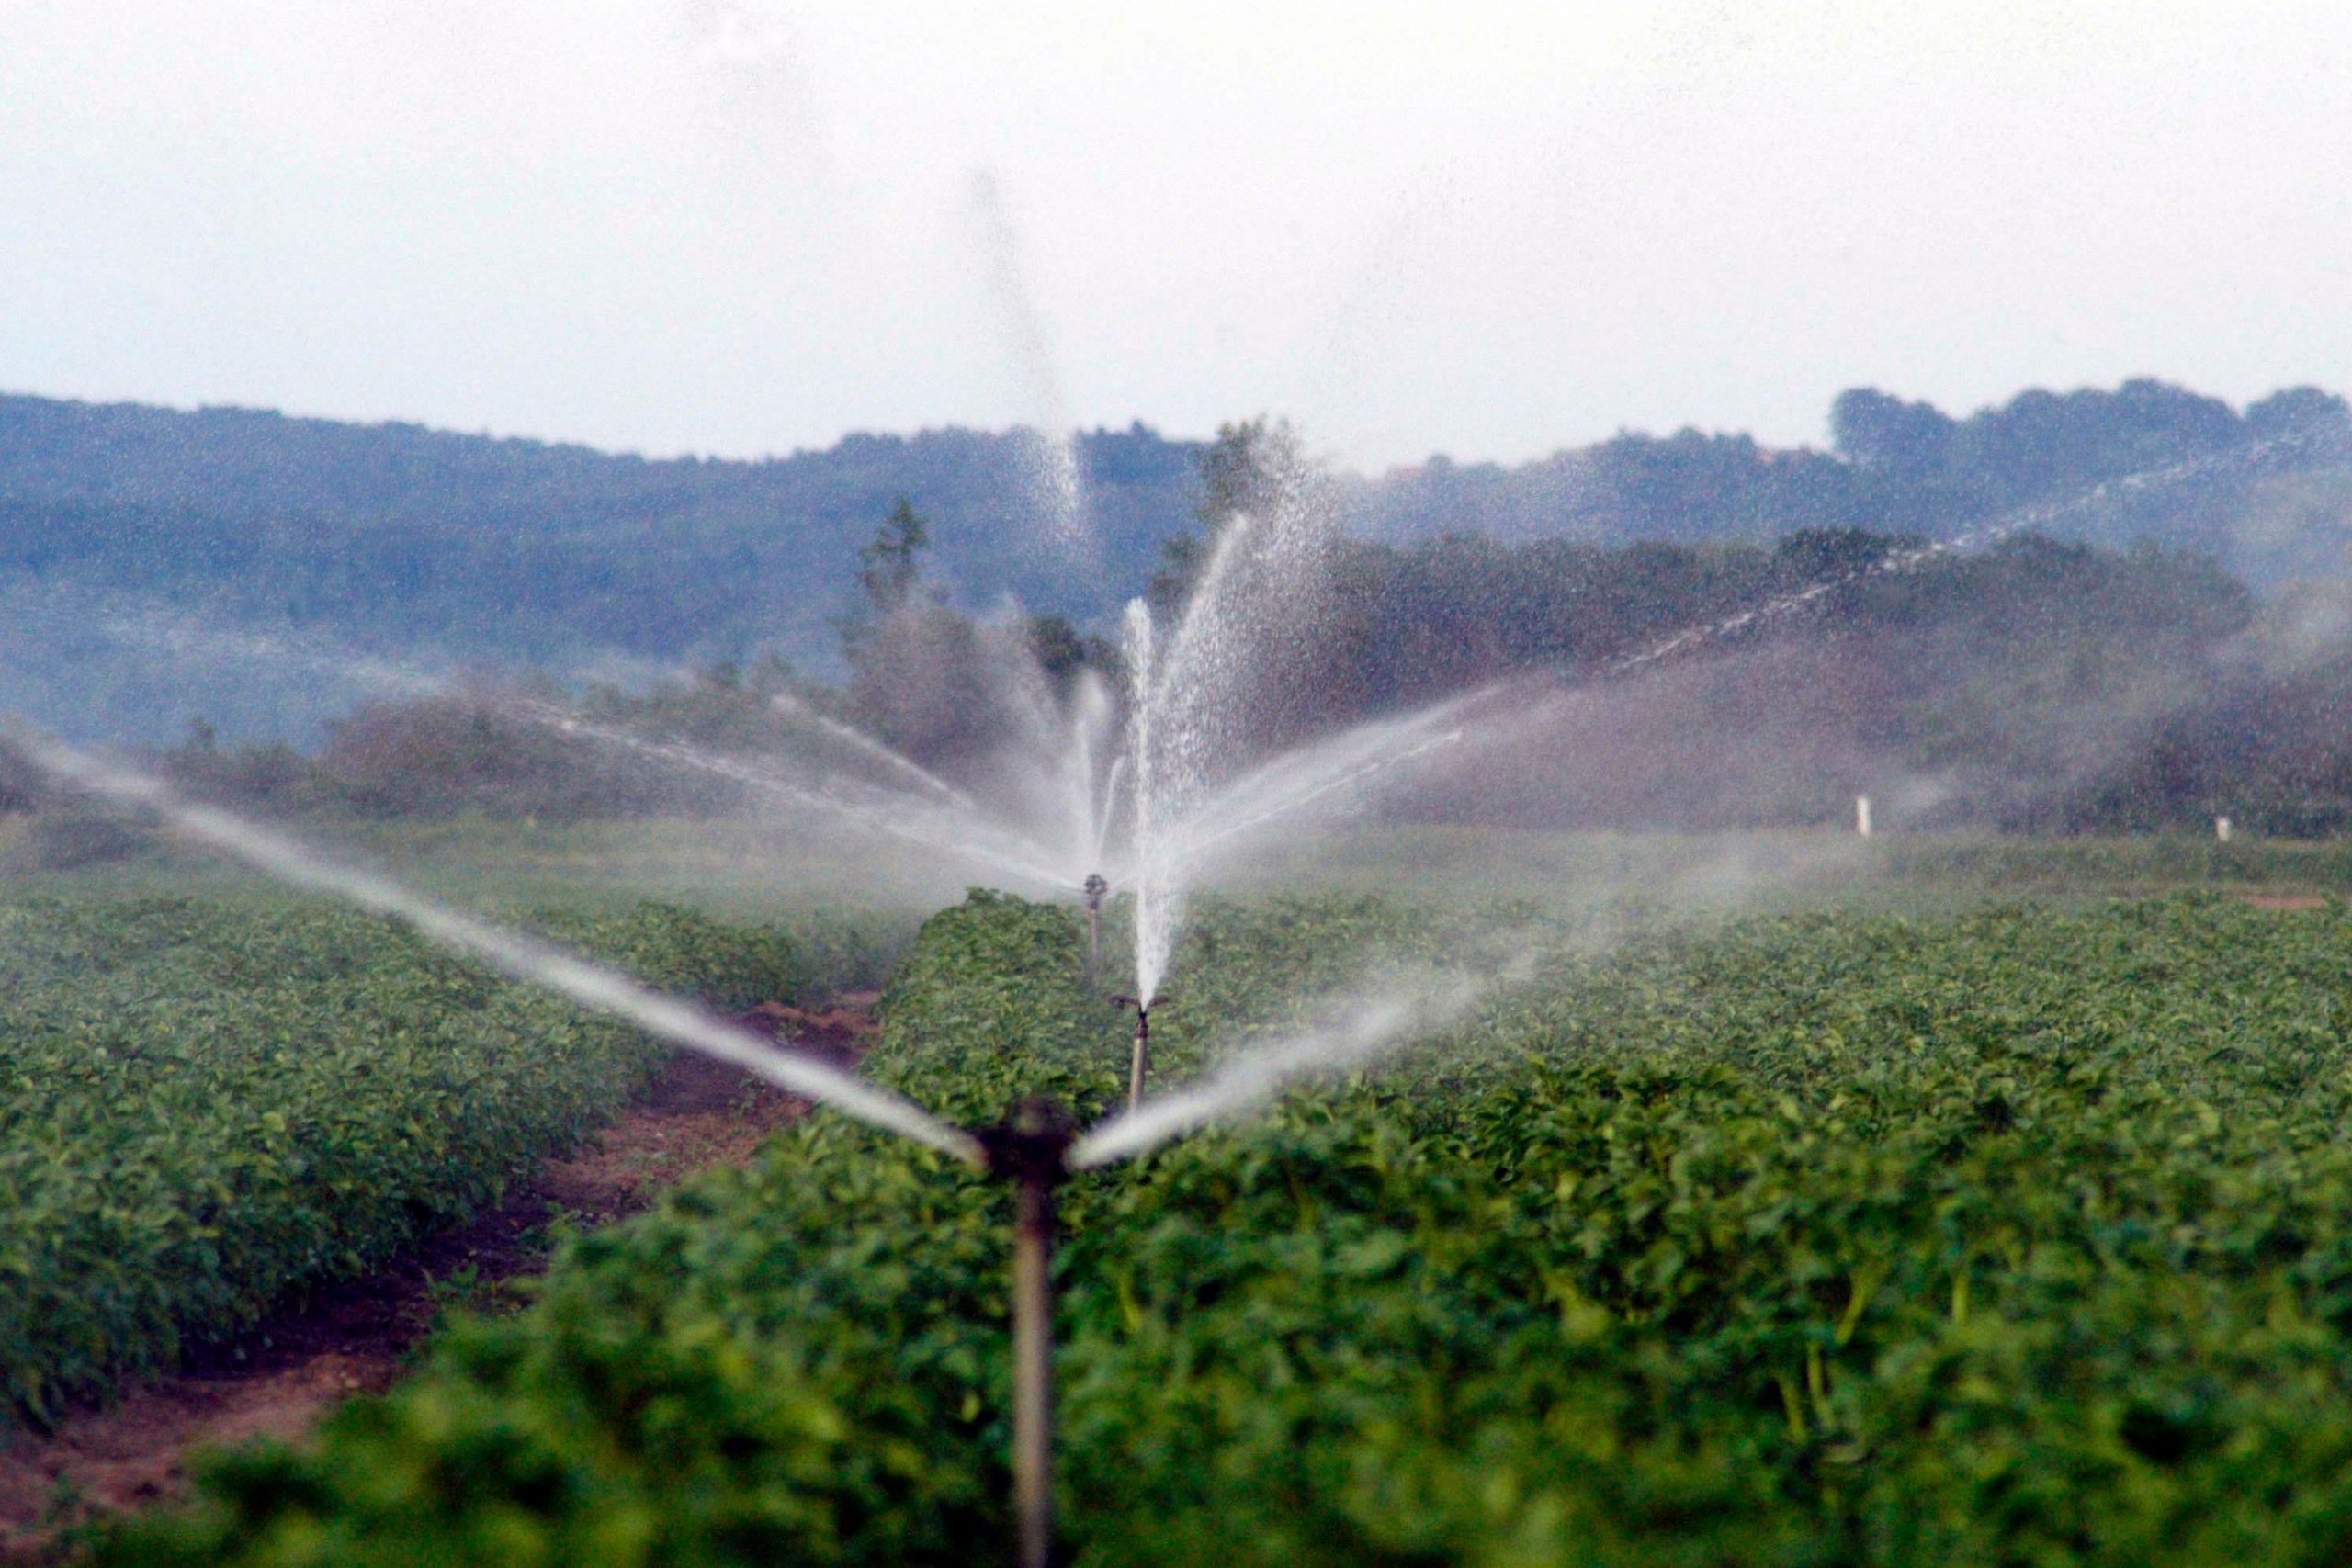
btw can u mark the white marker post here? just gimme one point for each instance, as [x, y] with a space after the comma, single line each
[2221, 830]
[1863, 815]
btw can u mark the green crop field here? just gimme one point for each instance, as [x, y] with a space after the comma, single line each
[748, 871]
[207, 1107]
[2021, 1234]
[736, 869]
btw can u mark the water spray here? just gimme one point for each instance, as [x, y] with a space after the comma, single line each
[787, 705]
[1910, 558]
[1035, 1149]
[1372, 1028]
[1095, 889]
[1028, 1149]
[524, 958]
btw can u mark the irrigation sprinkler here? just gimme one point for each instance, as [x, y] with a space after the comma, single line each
[1036, 1148]
[1095, 889]
[1138, 1063]
[1039, 1146]
[1030, 1149]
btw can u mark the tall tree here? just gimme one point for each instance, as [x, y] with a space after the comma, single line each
[1869, 427]
[890, 565]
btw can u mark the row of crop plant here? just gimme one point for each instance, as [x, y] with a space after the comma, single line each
[207, 1107]
[2020, 1237]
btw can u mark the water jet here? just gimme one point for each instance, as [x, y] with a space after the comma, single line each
[1096, 888]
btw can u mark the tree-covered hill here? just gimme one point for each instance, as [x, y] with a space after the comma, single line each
[147, 555]
[2265, 491]
[515, 546]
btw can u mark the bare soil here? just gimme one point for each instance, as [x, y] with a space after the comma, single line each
[354, 1338]
[2287, 903]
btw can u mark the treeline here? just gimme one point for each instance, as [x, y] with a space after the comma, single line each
[2047, 683]
[395, 536]
[519, 753]
[2039, 685]
[1908, 468]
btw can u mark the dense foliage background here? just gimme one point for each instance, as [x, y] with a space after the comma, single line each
[2036, 686]
[114, 520]
[2017, 1237]
[2143, 656]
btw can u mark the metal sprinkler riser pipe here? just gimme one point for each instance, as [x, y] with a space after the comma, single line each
[1139, 1064]
[1095, 887]
[1140, 1061]
[1031, 1150]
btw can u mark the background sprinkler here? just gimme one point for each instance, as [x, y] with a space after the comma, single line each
[1036, 1148]
[1030, 1149]
[1139, 1064]
[1095, 889]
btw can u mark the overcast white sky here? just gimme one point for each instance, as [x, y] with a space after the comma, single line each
[740, 227]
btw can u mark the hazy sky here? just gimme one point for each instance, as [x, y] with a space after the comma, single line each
[738, 227]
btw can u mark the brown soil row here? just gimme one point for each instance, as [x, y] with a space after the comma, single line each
[354, 1338]
[2287, 903]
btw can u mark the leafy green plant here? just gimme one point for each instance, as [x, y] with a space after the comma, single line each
[206, 1109]
[2021, 1237]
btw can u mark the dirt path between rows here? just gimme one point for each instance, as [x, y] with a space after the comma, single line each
[2285, 903]
[354, 1338]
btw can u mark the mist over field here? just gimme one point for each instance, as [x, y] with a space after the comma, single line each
[2140, 629]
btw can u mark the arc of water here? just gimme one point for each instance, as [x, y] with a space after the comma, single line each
[969, 839]
[1078, 785]
[856, 740]
[1296, 780]
[1193, 638]
[930, 813]
[1107, 809]
[1902, 561]
[1071, 731]
[975, 835]
[1369, 1031]
[153, 625]
[1302, 798]
[1199, 663]
[525, 958]
[1176, 724]
[1056, 464]
[1154, 896]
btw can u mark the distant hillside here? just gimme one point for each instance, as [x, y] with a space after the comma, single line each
[506, 545]
[130, 535]
[2265, 491]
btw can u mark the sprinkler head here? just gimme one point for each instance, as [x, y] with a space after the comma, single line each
[1095, 889]
[1138, 1065]
[1030, 1144]
[1141, 1009]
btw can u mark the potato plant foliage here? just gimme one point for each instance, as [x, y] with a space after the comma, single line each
[2023, 1236]
[206, 1107]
